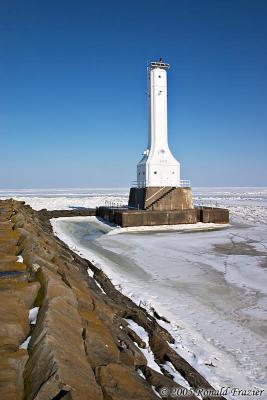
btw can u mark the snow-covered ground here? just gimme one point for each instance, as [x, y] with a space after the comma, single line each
[210, 284]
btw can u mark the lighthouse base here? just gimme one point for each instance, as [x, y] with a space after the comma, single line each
[130, 217]
[153, 206]
[156, 198]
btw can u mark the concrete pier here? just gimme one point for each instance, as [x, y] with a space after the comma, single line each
[126, 217]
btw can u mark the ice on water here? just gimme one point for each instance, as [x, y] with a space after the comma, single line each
[65, 199]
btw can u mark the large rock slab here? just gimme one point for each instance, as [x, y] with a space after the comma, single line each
[11, 374]
[14, 311]
[8, 248]
[12, 266]
[7, 225]
[100, 344]
[57, 354]
[120, 383]
[9, 236]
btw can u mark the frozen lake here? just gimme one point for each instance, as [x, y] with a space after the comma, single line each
[211, 285]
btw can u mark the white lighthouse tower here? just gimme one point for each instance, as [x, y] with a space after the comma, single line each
[159, 187]
[158, 167]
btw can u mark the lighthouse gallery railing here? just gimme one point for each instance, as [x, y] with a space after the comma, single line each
[182, 183]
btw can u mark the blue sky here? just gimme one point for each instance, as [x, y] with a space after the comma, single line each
[73, 81]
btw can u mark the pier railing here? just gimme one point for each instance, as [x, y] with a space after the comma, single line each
[185, 183]
[115, 204]
[142, 184]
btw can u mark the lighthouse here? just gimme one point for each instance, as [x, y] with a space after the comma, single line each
[158, 186]
[158, 167]
[159, 196]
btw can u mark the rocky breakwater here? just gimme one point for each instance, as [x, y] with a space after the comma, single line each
[66, 332]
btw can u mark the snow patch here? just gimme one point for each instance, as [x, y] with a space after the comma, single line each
[177, 377]
[100, 287]
[148, 353]
[155, 391]
[33, 313]
[140, 373]
[199, 226]
[25, 344]
[90, 272]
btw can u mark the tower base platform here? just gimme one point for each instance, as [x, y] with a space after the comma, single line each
[126, 217]
[161, 198]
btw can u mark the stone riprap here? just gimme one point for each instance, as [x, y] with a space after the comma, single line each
[80, 346]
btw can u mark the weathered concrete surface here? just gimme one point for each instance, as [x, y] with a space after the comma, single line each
[132, 217]
[213, 214]
[81, 346]
[77, 212]
[160, 198]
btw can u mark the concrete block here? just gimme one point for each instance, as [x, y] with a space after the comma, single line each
[160, 198]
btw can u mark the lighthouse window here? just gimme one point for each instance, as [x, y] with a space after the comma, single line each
[155, 172]
[159, 76]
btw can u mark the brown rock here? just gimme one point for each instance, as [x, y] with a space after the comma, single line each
[105, 308]
[12, 266]
[14, 323]
[7, 225]
[131, 355]
[7, 258]
[100, 346]
[14, 310]
[57, 355]
[24, 292]
[5, 215]
[119, 382]
[159, 346]
[9, 236]
[8, 248]
[31, 247]
[160, 381]
[11, 374]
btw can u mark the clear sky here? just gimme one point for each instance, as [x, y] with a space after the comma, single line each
[73, 79]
